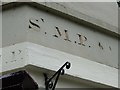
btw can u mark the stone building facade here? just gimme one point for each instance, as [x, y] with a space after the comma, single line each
[40, 37]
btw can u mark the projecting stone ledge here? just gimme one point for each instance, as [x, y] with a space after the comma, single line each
[41, 57]
[72, 14]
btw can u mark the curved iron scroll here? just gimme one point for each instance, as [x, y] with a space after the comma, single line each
[49, 85]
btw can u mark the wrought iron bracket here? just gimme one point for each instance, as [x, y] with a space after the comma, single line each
[49, 85]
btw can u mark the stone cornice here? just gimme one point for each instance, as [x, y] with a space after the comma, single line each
[68, 13]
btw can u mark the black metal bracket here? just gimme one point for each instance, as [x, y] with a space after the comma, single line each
[118, 3]
[49, 85]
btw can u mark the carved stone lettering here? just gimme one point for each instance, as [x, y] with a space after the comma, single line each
[33, 24]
